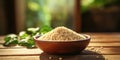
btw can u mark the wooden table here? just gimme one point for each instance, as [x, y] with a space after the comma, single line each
[103, 46]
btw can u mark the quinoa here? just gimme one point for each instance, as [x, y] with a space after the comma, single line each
[61, 34]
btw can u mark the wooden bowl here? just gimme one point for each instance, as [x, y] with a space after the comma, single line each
[63, 47]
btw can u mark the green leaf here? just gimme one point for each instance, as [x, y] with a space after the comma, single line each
[14, 42]
[11, 43]
[25, 38]
[23, 35]
[6, 39]
[28, 42]
[31, 46]
[31, 43]
[23, 43]
[33, 30]
[45, 29]
[10, 39]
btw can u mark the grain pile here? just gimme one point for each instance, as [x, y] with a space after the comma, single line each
[61, 34]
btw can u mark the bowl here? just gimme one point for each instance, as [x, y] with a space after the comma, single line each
[62, 47]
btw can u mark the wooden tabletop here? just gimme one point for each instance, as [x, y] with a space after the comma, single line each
[103, 46]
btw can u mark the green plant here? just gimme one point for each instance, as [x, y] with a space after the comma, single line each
[25, 38]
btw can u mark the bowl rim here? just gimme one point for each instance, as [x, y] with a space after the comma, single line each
[88, 38]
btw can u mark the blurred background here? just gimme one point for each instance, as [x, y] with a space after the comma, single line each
[79, 15]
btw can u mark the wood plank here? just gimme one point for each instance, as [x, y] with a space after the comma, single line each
[104, 44]
[22, 51]
[103, 50]
[100, 48]
[102, 40]
[106, 35]
[102, 33]
[54, 57]
[19, 57]
[93, 39]
[11, 47]
[90, 45]
[87, 51]
[95, 44]
[1, 39]
[96, 37]
[112, 57]
[105, 40]
[79, 57]
[1, 46]
[113, 44]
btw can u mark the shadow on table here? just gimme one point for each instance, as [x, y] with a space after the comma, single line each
[85, 55]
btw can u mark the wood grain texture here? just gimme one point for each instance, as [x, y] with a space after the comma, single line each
[103, 46]
[24, 51]
[19, 57]
[105, 40]
[81, 57]
[54, 57]
[1, 39]
[95, 37]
